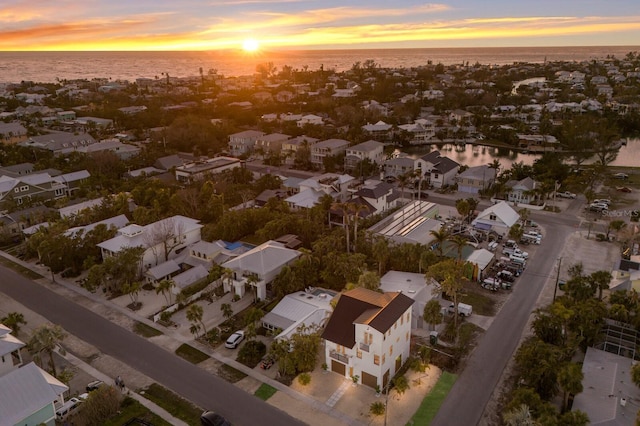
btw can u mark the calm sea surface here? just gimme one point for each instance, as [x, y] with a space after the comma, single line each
[50, 66]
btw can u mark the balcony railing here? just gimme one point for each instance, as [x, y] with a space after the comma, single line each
[338, 356]
[364, 347]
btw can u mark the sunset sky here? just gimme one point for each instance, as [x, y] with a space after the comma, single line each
[311, 24]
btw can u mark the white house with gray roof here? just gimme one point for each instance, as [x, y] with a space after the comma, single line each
[243, 142]
[264, 262]
[499, 218]
[327, 148]
[161, 240]
[370, 150]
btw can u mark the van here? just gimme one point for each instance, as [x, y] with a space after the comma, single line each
[464, 310]
[534, 234]
[518, 260]
[530, 239]
[67, 408]
[493, 245]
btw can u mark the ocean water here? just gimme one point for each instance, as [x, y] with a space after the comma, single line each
[47, 67]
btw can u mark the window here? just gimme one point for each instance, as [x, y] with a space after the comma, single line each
[390, 350]
[368, 338]
[402, 320]
[24, 188]
[383, 358]
[407, 316]
[395, 325]
[492, 216]
[407, 336]
[376, 359]
[359, 353]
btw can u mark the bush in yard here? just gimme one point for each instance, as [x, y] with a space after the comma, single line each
[251, 353]
[304, 379]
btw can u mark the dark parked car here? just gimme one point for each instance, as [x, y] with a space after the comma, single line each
[209, 418]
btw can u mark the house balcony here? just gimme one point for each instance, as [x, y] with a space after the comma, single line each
[339, 357]
[364, 347]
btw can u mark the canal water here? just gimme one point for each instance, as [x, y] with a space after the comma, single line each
[475, 155]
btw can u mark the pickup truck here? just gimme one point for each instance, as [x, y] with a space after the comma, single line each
[566, 194]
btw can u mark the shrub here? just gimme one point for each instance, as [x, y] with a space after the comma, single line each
[251, 353]
[377, 408]
[304, 379]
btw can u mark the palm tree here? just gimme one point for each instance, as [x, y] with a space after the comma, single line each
[440, 237]
[194, 316]
[227, 275]
[459, 243]
[252, 281]
[13, 321]
[165, 287]
[344, 207]
[520, 416]
[381, 252]
[46, 338]
[570, 380]
[227, 310]
[403, 180]
[356, 208]
[600, 280]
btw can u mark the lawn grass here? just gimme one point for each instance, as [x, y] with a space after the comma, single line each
[177, 406]
[191, 354]
[265, 391]
[20, 269]
[145, 331]
[132, 409]
[432, 402]
[230, 374]
[482, 304]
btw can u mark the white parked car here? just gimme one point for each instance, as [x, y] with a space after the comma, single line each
[234, 340]
[602, 201]
[566, 194]
[621, 176]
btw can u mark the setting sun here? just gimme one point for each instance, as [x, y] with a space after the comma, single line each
[250, 45]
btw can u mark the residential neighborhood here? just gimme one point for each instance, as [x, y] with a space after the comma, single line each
[358, 243]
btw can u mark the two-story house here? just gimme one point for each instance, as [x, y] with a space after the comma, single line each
[436, 170]
[476, 179]
[311, 190]
[522, 191]
[271, 143]
[36, 188]
[368, 336]
[263, 263]
[291, 146]
[326, 148]
[12, 132]
[162, 240]
[243, 142]
[380, 130]
[401, 165]
[370, 150]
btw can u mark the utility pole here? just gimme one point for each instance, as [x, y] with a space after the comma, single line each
[555, 288]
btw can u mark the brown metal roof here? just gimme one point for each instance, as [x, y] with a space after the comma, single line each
[363, 306]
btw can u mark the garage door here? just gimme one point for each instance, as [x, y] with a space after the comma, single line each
[369, 380]
[338, 367]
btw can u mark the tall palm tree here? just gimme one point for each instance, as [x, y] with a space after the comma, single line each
[403, 180]
[13, 320]
[165, 287]
[194, 316]
[344, 208]
[46, 338]
[570, 380]
[600, 280]
[440, 236]
[459, 243]
[356, 208]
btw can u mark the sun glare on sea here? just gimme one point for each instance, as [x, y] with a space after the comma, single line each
[250, 45]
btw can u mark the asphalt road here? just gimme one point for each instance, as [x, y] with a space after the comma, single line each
[466, 402]
[171, 371]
